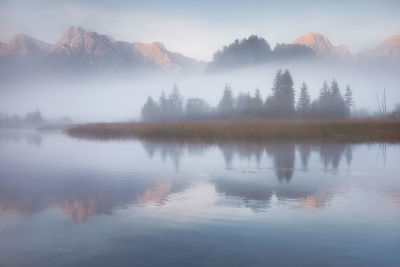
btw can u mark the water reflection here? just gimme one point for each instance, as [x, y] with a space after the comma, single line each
[283, 155]
[253, 173]
[32, 137]
[120, 201]
[80, 197]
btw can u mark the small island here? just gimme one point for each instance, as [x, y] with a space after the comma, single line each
[248, 117]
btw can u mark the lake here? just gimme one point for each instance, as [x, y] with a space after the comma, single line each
[74, 202]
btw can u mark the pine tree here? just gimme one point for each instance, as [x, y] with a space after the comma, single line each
[348, 97]
[243, 104]
[304, 102]
[276, 87]
[196, 108]
[226, 104]
[324, 94]
[163, 109]
[288, 95]
[150, 110]
[175, 104]
[321, 107]
[337, 107]
[257, 104]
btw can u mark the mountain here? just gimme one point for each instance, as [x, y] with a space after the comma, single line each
[156, 53]
[322, 46]
[80, 49]
[24, 45]
[387, 51]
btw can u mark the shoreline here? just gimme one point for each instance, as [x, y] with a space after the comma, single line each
[354, 131]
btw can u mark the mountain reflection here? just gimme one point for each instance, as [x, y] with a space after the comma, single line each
[80, 199]
[272, 165]
[258, 192]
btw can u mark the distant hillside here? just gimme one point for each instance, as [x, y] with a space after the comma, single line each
[255, 50]
[386, 52]
[79, 50]
[312, 47]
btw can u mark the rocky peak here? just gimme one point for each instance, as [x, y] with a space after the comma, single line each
[23, 44]
[321, 45]
[316, 41]
[156, 53]
[78, 38]
[388, 50]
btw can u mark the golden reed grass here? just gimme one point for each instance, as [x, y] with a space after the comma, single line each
[252, 130]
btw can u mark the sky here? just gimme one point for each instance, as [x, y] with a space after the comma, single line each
[199, 28]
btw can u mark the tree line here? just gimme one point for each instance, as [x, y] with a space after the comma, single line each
[255, 50]
[30, 120]
[281, 104]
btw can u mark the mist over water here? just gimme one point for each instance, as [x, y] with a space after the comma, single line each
[116, 97]
[243, 135]
[170, 203]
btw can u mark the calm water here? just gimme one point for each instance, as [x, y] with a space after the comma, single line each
[71, 202]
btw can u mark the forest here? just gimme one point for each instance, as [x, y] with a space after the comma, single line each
[281, 104]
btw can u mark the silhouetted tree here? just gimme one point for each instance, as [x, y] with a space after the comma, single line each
[196, 108]
[282, 101]
[256, 108]
[226, 105]
[292, 51]
[175, 104]
[337, 106]
[163, 104]
[243, 105]
[150, 110]
[321, 107]
[241, 52]
[330, 104]
[280, 104]
[348, 98]
[34, 118]
[304, 102]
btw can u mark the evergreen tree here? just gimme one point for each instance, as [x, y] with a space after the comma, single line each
[324, 94]
[269, 107]
[337, 107]
[196, 108]
[304, 102]
[150, 110]
[256, 104]
[175, 104]
[348, 98]
[276, 87]
[243, 104]
[163, 107]
[282, 104]
[320, 108]
[226, 104]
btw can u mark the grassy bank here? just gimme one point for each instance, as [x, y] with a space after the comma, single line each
[279, 130]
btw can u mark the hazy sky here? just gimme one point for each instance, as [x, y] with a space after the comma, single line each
[198, 28]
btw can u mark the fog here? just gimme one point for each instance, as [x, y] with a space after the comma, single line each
[89, 97]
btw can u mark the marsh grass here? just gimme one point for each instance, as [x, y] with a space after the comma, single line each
[255, 130]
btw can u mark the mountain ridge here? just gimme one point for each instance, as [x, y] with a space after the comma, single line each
[79, 48]
[82, 48]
